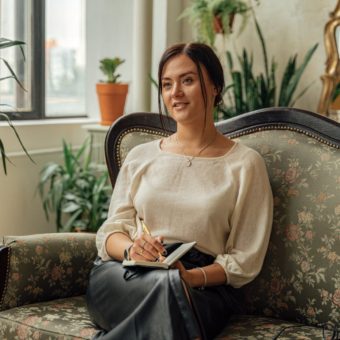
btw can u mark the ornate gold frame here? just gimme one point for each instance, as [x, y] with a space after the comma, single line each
[332, 73]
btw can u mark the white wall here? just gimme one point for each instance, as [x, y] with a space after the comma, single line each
[289, 27]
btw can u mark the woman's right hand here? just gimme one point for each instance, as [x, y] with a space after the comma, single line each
[147, 248]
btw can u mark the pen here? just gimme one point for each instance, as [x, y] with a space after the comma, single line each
[147, 231]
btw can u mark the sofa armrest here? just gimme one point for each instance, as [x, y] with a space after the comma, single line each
[44, 267]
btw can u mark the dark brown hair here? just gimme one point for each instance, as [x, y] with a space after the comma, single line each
[200, 54]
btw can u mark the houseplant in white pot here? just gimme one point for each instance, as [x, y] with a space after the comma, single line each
[111, 93]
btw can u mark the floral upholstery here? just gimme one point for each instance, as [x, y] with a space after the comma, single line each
[300, 279]
[46, 267]
[298, 288]
[62, 319]
[249, 327]
[301, 276]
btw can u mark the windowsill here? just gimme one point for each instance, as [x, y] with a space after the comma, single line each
[61, 121]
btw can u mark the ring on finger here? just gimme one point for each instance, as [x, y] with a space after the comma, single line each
[143, 245]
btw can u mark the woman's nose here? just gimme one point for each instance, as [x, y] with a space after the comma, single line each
[177, 90]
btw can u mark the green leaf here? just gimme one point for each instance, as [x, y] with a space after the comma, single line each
[51, 169]
[13, 73]
[71, 221]
[70, 207]
[3, 115]
[263, 46]
[294, 80]
[153, 81]
[3, 156]
[238, 93]
[5, 43]
[230, 60]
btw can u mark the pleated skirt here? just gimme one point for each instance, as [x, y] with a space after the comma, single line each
[151, 304]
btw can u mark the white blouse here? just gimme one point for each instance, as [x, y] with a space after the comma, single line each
[223, 203]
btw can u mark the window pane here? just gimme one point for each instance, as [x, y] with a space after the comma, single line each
[15, 25]
[65, 57]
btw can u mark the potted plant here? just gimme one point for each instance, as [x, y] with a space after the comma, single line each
[249, 91]
[77, 192]
[111, 93]
[215, 16]
[224, 12]
[6, 43]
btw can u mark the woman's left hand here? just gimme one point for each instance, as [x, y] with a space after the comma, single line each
[185, 274]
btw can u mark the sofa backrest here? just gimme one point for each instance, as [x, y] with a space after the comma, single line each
[300, 279]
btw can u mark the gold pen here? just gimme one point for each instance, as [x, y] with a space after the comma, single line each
[147, 231]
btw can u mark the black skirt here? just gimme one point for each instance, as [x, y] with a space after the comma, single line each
[148, 304]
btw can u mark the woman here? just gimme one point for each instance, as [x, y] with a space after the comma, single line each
[195, 185]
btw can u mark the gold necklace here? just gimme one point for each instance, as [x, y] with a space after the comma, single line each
[189, 159]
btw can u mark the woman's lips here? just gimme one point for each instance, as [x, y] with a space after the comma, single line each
[179, 105]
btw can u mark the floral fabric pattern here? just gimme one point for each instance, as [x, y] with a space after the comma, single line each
[48, 266]
[297, 291]
[63, 319]
[249, 327]
[300, 279]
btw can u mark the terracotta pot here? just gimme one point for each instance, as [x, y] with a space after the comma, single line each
[217, 22]
[112, 99]
[218, 25]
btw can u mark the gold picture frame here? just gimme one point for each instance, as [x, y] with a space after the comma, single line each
[332, 73]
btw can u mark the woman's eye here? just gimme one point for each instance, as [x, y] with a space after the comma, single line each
[166, 86]
[187, 80]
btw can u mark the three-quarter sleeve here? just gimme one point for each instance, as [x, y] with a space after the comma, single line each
[250, 224]
[122, 214]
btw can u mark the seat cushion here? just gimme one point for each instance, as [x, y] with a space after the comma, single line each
[58, 319]
[68, 319]
[249, 327]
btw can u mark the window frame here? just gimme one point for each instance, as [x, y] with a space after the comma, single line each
[37, 60]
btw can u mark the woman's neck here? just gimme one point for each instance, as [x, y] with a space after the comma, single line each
[195, 137]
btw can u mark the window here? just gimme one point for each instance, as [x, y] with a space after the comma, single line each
[53, 73]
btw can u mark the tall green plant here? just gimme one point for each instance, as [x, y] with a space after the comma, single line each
[77, 191]
[7, 43]
[249, 92]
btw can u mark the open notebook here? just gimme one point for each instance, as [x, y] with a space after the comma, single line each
[169, 260]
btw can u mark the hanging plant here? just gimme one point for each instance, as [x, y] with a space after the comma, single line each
[215, 17]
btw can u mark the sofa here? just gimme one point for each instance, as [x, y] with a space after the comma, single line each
[43, 278]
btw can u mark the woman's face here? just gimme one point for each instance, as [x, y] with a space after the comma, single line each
[181, 90]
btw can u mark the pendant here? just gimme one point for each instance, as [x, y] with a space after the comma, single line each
[189, 163]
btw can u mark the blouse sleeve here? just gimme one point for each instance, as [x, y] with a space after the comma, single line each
[122, 214]
[250, 224]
